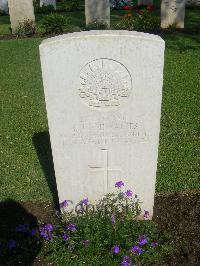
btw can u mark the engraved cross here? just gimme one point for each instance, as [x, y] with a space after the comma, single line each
[105, 169]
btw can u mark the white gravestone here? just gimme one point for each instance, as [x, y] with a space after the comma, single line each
[144, 2]
[193, 3]
[48, 2]
[20, 10]
[4, 6]
[172, 13]
[97, 11]
[103, 92]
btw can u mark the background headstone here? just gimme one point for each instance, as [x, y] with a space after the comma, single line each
[4, 6]
[103, 92]
[144, 2]
[20, 10]
[48, 2]
[97, 11]
[172, 13]
[193, 3]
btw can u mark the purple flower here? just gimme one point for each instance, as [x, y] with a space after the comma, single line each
[33, 232]
[86, 243]
[129, 193]
[126, 261]
[154, 244]
[65, 237]
[113, 219]
[22, 228]
[48, 227]
[136, 249]
[46, 235]
[11, 244]
[142, 240]
[72, 227]
[84, 201]
[64, 204]
[115, 249]
[146, 214]
[46, 232]
[119, 184]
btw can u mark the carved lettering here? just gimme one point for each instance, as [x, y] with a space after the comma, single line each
[117, 130]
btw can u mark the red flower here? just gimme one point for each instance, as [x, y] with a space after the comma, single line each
[126, 7]
[128, 15]
[150, 7]
[141, 12]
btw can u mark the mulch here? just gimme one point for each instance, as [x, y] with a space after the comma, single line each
[176, 213]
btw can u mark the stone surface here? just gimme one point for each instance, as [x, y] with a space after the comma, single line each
[144, 2]
[4, 6]
[20, 10]
[172, 13]
[103, 92]
[48, 2]
[97, 11]
[193, 3]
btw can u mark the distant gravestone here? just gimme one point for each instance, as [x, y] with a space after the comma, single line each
[3, 6]
[172, 13]
[195, 3]
[20, 11]
[103, 92]
[144, 2]
[97, 11]
[48, 2]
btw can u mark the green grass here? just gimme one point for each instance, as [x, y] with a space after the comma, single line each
[179, 156]
[23, 118]
[23, 115]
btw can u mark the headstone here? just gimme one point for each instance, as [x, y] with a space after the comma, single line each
[20, 10]
[3, 6]
[48, 2]
[97, 11]
[103, 92]
[172, 13]
[144, 2]
[194, 3]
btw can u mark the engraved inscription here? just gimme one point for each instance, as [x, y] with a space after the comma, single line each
[104, 84]
[102, 131]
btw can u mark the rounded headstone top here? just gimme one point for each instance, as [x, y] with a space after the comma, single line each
[102, 33]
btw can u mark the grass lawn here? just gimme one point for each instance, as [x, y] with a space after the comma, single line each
[25, 160]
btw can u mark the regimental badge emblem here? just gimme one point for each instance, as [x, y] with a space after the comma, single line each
[104, 84]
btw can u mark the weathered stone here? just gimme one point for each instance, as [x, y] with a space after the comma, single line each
[4, 6]
[20, 11]
[48, 2]
[97, 11]
[144, 2]
[103, 92]
[195, 3]
[172, 13]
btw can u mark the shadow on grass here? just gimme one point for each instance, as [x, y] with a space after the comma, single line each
[19, 245]
[42, 145]
[182, 41]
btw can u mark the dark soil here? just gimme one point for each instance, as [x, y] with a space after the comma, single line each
[177, 213]
[161, 32]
